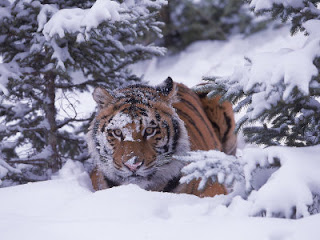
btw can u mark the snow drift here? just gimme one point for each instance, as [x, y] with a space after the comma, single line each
[66, 208]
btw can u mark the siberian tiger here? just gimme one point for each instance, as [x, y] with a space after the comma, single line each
[139, 128]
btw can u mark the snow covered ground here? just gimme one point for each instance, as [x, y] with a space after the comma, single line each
[67, 208]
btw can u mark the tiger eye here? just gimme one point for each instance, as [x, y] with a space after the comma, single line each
[117, 132]
[149, 131]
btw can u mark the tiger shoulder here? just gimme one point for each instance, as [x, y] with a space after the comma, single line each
[138, 129]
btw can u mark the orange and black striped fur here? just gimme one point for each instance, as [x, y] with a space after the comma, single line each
[138, 130]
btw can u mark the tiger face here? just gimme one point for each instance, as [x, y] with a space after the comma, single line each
[135, 134]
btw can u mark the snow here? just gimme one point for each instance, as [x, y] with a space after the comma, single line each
[77, 20]
[294, 66]
[120, 121]
[293, 185]
[208, 164]
[263, 4]
[271, 75]
[66, 208]
[82, 21]
[6, 71]
[275, 181]
[216, 58]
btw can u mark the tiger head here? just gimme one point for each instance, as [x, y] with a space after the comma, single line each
[135, 134]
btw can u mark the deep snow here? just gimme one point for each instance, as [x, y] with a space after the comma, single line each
[66, 208]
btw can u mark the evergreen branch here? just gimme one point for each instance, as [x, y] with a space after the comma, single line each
[10, 168]
[14, 130]
[70, 120]
[36, 161]
[214, 165]
[26, 178]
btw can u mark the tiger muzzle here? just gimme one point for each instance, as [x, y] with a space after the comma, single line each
[133, 164]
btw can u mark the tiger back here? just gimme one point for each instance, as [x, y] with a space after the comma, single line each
[139, 129]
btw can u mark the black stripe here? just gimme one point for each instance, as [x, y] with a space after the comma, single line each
[176, 135]
[110, 182]
[103, 127]
[138, 86]
[95, 132]
[142, 111]
[215, 125]
[117, 165]
[228, 122]
[165, 113]
[202, 94]
[132, 103]
[172, 184]
[190, 120]
[152, 122]
[194, 109]
[109, 131]
[125, 110]
[118, 104]
[109, 121]
[189, 93]
[157, 115]
[117, 107]
[166, 126]
[141, 101]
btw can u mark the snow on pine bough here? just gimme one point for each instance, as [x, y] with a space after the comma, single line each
[273, 182]
[214, 165]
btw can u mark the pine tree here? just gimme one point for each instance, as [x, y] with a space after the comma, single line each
[279, 91]
[46, 46]
[188, 21]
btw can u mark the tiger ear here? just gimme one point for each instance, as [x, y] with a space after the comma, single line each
[102, 97]
[167, 90]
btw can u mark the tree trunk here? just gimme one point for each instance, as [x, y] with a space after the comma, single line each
[50, 110]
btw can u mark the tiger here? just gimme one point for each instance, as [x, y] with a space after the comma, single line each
[139, 129]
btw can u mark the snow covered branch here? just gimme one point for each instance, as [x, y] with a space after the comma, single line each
[296, 11]
[5, 168]
[77, 20]
[101, 18]
[211, 164]
[271, 181]
[259, 5]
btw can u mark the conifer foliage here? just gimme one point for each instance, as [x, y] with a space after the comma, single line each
[191, 20]
[279, 91]
[49, 49]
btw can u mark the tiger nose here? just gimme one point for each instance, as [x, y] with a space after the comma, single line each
[132, 164]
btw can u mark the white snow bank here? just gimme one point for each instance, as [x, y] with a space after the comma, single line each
[290, 189]
[64, 208]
